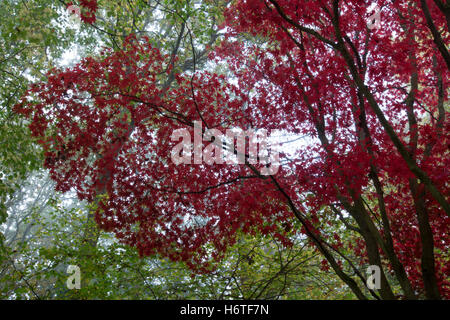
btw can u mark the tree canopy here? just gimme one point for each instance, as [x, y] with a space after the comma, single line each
[367, 186]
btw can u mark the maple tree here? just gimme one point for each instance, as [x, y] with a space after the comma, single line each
[372, 102]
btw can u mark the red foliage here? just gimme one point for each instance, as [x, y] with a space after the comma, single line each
[106, 124]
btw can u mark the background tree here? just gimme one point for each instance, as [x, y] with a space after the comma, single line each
[44, 231]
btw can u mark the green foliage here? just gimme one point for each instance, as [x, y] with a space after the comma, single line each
[50, 234]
